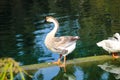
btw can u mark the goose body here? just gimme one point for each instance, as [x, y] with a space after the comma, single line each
[112, 44]
[62, 45]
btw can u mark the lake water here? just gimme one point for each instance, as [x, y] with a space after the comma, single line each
[22, 27]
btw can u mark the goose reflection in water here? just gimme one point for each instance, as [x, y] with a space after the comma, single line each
[114, 69]
[55, 73]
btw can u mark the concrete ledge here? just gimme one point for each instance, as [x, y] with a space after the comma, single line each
[74, 61]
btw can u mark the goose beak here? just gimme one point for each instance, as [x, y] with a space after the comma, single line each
[44, 21]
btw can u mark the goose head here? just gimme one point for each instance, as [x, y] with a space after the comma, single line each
[117, 35]
[50, 19]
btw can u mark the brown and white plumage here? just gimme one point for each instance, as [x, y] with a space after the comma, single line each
[62, 45]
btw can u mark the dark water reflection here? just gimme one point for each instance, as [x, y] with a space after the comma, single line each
[22, 27]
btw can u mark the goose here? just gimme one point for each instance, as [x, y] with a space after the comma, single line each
[62, 45]
[111, 45]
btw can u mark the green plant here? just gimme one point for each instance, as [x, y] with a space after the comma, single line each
[9, 67]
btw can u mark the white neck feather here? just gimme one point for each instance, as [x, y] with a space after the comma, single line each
[56, 26]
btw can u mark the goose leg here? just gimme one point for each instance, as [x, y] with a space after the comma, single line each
[64, 64]
[58, 62]
[115, 55]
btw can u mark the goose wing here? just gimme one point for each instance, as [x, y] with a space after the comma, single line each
[65, 41]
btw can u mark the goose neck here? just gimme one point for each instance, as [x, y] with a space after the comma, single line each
[56, 26]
